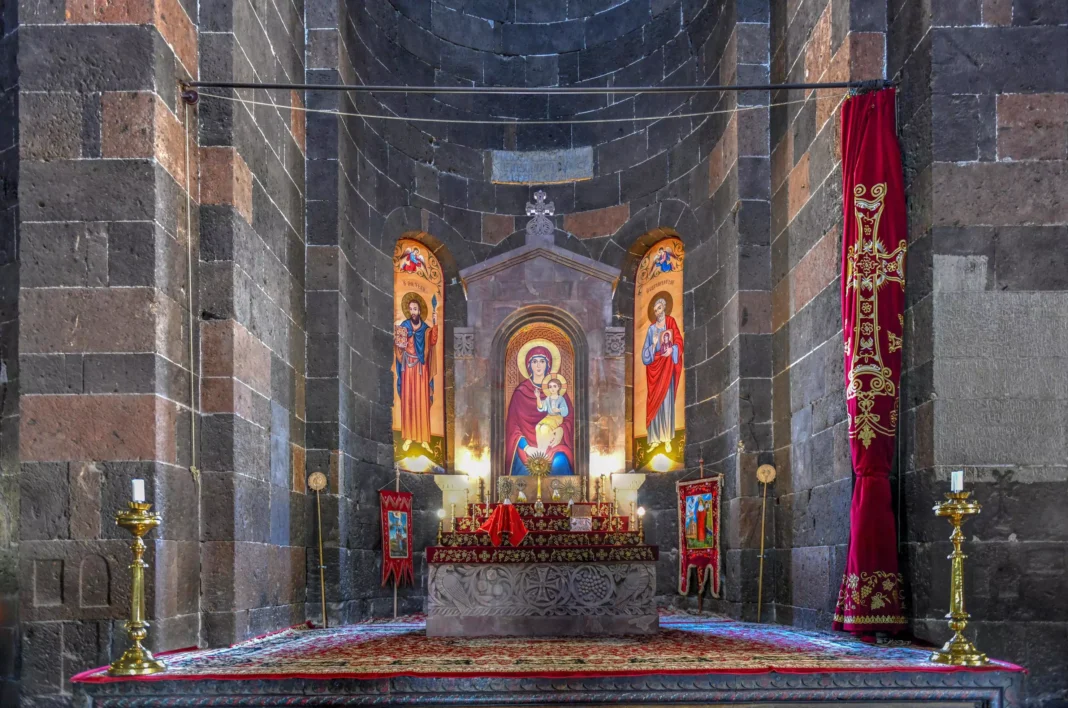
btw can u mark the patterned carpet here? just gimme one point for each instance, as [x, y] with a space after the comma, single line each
[684, 645]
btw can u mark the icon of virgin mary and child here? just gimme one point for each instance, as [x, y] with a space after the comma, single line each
[540, 415]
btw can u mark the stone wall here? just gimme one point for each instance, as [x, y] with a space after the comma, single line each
[255, 515]
[983, 127]
[816, 41]
[104, 366]
[9, 364]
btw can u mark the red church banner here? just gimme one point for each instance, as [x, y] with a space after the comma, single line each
[873, 305]
[699, 534]
[396, 537]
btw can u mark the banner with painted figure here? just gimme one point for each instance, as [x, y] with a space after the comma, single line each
[699, 547]
[659, 343]
[418, 358]
[396, 508]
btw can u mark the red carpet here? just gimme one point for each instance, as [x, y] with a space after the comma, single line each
[684, 645]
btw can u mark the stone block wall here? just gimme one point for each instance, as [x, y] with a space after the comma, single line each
[813, 41]
[255, 515]
[982, 121]
[104, 365]
[9, 363]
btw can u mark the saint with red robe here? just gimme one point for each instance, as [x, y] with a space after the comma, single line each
[662, 356]
[523, 417]
[414, 342]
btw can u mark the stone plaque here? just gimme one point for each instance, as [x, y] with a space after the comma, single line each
[541, 166]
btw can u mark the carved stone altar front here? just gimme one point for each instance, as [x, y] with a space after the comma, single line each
[539, 599]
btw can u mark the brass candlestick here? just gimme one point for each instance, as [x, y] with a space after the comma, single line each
[958, 651]
[481, 490]
[136, 660]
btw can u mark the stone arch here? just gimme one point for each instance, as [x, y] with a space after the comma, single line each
[571, 327]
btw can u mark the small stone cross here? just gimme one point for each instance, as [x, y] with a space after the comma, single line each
[540, 228]
[540, 207]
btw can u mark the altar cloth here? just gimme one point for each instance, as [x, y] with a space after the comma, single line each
[685, 645]
[505, 518]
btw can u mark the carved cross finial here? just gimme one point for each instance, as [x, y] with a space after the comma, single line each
[540, 227]
[540, 207]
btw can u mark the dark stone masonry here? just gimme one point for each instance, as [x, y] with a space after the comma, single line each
[269, 358]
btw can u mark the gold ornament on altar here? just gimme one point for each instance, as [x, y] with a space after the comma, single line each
[958, 651]
[539, 466]
[136, 660]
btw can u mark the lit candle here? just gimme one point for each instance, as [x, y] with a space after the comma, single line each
[957, 482]
[139, 490]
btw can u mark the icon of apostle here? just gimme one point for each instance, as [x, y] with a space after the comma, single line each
[662, 357]
[413, 343]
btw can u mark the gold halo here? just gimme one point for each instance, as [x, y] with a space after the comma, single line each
[521, 360]
[667, 304]
[408, 297]
[563, 384]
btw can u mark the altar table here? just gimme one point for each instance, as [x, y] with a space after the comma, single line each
[557, 582]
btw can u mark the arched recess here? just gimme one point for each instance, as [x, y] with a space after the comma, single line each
[570, 326]
[452, 311]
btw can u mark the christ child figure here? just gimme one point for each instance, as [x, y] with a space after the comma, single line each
[666, 343]
[549, 429]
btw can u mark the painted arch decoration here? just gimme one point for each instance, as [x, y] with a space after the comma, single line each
[659, 346]
[418, 359]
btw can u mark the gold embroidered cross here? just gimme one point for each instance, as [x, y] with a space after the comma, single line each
[868, 268]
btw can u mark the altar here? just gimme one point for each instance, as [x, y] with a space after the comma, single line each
[557, 581]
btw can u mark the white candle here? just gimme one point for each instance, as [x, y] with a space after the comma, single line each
[139, 490]
[957, 482]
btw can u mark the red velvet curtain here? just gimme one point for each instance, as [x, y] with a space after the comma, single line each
[873, 306]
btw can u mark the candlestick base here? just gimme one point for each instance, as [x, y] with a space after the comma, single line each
[136, 660]
[958, 651]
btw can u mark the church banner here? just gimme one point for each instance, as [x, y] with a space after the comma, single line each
[418, 361]
[396, 508]
[873, 304]
[699, 548]
[659, 385]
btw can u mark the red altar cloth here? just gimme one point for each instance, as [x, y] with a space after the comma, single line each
[505, 517]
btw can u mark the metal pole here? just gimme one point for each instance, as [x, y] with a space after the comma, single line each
[396, 488]
[760, 581]
[322, 574]
[537, 90]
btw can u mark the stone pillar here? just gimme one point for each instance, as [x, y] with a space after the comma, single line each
[104, 350]
[253, 504]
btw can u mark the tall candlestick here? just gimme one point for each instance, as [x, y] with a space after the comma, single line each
[139, 490]
[957, 481]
